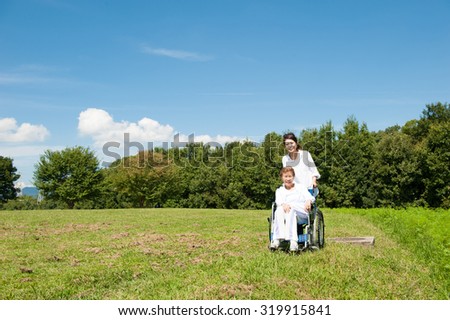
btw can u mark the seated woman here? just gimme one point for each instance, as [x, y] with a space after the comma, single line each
[293, 203]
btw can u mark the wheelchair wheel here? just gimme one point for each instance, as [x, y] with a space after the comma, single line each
[270, 228]
[270, 220]
[318, 230]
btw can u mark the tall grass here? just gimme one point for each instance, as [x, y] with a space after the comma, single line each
[425, 232]
[199, 254]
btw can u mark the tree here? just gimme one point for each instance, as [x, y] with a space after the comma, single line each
[431, 134]
[71, 175]
[8, 176]
[254, 177]
[145, 180]
[273, 149]
[324, 148]
[432, 114]
[349, 183]
[397, 173]
[437, 171]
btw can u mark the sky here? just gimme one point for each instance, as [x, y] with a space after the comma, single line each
[85, 72]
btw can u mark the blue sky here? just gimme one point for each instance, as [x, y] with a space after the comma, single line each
[77, 72]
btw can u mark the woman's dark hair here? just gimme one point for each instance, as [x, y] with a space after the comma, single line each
[291, 136]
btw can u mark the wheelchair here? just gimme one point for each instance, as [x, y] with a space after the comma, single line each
[311, 235]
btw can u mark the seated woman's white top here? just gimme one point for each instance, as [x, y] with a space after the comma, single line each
[295, 197]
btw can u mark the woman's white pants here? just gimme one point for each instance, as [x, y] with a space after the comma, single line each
[285, 225]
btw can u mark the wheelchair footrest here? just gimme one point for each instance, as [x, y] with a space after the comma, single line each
[303, 238]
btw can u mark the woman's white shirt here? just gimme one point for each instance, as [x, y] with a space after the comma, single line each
[304, 167]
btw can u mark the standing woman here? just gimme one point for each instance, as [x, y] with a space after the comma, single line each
[306, 173]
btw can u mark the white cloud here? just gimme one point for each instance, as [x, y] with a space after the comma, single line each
[26, 132]
[102, 128]
[176, 54]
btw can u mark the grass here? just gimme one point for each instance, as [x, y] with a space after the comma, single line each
[203, 254]
[424, 232]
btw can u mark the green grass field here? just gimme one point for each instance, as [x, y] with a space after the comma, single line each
[218, 254]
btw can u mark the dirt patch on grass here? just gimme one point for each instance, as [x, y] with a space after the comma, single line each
[232, 241]
[54, 258]
[190, 241]
[76, 227]
[158, 252]
[229, 291]
[188, 237]
[120, 235]
[45, 231]
[26, 270]
[150, 237]
[114, 256]
[74, 262]
[94, 250]
[12, 231]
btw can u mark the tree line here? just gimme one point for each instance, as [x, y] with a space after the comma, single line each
[400, 166]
